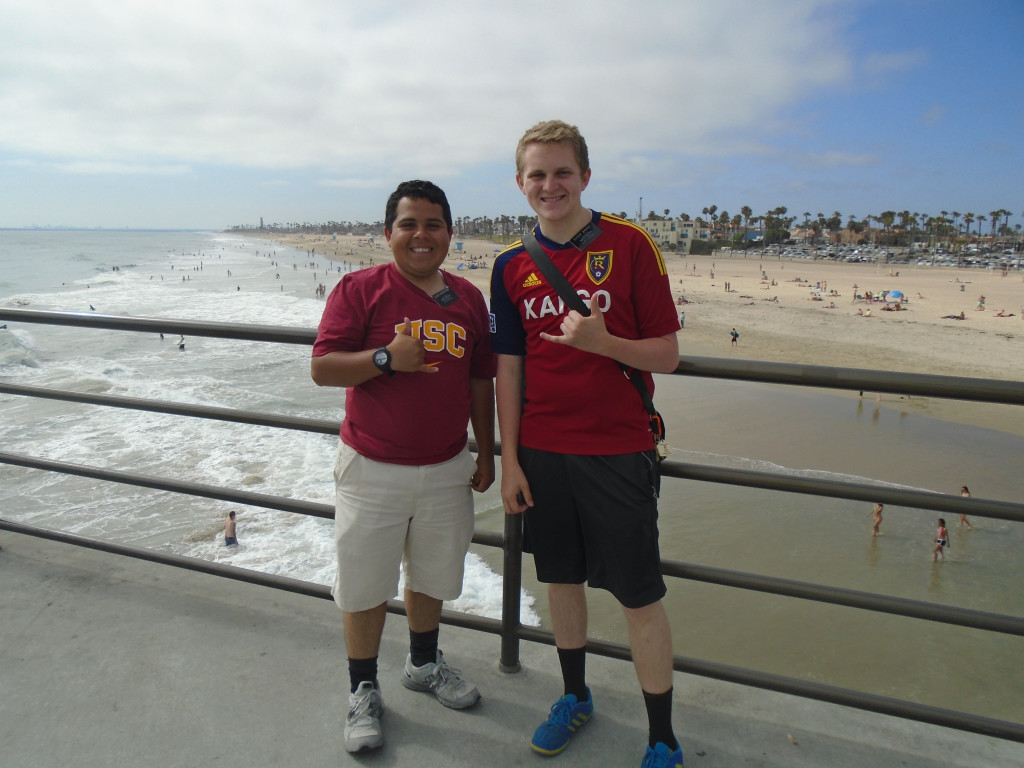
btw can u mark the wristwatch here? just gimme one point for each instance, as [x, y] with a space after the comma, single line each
[382, 359]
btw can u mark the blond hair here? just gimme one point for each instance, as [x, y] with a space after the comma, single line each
[554, 132]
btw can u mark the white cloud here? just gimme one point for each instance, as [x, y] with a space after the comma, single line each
[93, 167]
[362, 183]
[434, 88]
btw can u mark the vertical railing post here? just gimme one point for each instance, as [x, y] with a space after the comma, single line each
[511, 591]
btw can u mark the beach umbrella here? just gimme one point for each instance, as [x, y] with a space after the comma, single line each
[895, 294]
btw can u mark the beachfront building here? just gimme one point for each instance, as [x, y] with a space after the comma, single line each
[675, 234]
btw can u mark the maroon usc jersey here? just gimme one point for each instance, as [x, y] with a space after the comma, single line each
[410, 418]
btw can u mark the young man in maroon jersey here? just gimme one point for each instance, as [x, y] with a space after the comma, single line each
[411, 344]
[578, 456]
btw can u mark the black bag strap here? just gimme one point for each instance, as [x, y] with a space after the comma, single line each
[572, 300]
[554, 275]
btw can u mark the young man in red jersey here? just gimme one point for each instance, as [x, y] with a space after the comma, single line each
[578, 456]
[411, 344]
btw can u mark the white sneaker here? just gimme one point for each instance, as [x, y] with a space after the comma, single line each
[362, 726]
[450, 689]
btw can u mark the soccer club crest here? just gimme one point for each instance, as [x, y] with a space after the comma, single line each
[599, 266]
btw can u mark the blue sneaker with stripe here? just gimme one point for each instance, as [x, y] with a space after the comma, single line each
[566, 717]
[660, 756]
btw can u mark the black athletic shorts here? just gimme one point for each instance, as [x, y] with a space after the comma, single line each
[595, 520]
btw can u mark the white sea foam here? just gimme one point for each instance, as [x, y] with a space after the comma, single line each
[233, 374]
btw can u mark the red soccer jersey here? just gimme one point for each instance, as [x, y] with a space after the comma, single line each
[574, 401]
[410, 418]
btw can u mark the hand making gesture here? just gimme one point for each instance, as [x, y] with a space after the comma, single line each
[408, 352]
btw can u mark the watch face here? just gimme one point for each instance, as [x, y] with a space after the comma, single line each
[380, 357]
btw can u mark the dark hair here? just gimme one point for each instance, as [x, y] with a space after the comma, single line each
[942, 522]
[416, 190]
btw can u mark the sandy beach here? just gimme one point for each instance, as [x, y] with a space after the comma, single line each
[779, 319]
[803, 311]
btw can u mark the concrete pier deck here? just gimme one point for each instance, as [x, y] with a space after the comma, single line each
[109, 661]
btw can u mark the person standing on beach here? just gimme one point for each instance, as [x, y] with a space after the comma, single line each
[963, 518]
[411, 344]
[734, 336]
[578, 456]
[877, 512]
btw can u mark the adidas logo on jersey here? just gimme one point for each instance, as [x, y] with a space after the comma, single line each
[532, 281]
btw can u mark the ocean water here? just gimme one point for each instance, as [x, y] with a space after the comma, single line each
[226, 277]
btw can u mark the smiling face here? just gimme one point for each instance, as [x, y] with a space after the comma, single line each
[419, 240]
[553, 183]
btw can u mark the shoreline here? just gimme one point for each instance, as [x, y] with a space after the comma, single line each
[804, 312]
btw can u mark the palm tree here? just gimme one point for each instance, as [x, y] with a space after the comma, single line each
[968, 220]
[1006, 221]
[996, 216]
[710, 213]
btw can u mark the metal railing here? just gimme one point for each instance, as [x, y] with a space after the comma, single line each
[509, 627]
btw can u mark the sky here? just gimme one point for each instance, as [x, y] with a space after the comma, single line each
[209, 114]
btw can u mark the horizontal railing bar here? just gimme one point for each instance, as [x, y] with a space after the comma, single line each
[321, 426]
[249, 498]
[844, 489]
[767, 681]
[178, 409]
[687, 471]
[894, 382]
[828, 693]
[753, 678]
[278, 334]
[899, 606]
[284, 583]
[883, 705]
[802, 590]
[274, 581]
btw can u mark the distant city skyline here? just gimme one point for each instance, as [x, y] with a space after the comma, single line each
[205, 116]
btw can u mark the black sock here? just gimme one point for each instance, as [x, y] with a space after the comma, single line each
[423, 646]
[574, 671]
[361, 670]
[659, 719]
